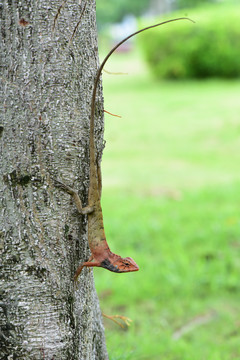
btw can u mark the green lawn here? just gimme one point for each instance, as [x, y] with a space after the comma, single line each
[171, 199]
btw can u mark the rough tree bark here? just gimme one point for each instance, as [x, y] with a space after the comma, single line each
[48, 64]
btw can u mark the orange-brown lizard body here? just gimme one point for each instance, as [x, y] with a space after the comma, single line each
[101, 256]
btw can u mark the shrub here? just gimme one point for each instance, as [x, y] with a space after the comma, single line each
[208, 48]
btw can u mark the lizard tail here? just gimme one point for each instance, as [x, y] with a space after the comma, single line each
[92, 147]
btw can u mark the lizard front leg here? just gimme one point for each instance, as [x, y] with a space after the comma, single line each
[82, 210]
[88, 263]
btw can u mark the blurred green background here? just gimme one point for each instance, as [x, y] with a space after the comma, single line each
[171, 198]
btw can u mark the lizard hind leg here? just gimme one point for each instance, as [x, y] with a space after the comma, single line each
[82, 210]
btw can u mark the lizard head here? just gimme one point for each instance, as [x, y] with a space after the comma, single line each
[118, 264]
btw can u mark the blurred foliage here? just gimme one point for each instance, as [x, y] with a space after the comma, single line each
[114, 11]
[171, 200]
[109, 12]
[179, 4]
[209, 48]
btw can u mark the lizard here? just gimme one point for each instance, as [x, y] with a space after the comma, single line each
[101, 255]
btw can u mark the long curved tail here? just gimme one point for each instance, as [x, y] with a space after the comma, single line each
[92, 147]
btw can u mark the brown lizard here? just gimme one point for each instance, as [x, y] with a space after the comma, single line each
[101, 255]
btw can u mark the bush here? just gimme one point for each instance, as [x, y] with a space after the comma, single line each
[208, 48]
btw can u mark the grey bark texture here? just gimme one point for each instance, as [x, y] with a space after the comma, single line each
[49, 59]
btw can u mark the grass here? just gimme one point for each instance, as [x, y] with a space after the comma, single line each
[171, 195]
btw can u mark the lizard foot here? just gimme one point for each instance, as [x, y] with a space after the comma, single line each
[126, 321]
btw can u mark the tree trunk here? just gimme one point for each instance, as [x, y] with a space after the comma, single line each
[49, 60]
